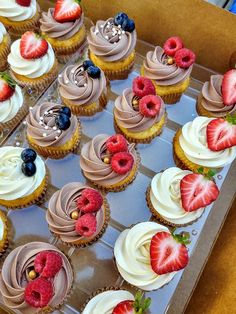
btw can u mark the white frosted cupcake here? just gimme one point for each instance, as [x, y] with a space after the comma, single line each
[5, 42]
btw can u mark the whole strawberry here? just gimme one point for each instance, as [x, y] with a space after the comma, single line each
[7, 86]
[139, 306]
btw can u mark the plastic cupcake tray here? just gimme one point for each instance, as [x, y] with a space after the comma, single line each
[94, 266]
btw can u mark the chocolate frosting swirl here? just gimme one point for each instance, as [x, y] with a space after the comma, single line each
[156, 68]
[13, 278]
[131, 119]
[61, 205]
[76, 85]
[37, 128]
[58, 30]
[212, 99]
[93, 166]
[110, 42]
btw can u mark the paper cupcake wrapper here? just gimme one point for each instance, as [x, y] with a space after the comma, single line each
[60, 153]
[171, 99]
[87, 242]
[147, 140]
[4, 52]
[6, 242]
[22, 112]
[38, 84]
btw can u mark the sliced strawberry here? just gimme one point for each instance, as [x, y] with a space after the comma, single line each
[32, 46]
[24, 3]
[67, 10]
[229, 88]
[221, 133]
[140, 305]
[197, 191]
[125, 307]
[168, 253]
[7, 86]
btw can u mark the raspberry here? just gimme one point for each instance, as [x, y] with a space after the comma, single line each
[38, 292]
[172, 45]
[47, 263]
[116, 143]
[86, 225]
[150, 106]
[89, 201]
[184, 58]
[122, 163]
[142, 86]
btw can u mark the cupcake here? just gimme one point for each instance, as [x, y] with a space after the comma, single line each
[116, 301]
[32, 61]
[35, 278]
[12, 107]
[178, 197]
[148, 255]
[109, 162]
[20, 16]
[63, 27]
[5, 42]
[52, 131]
[3, 233]
[169, 68]
[111, 46]
[138, 113]
[83, 88]
[205, 142]
[218, 96]
[77, 214]
[23, 177]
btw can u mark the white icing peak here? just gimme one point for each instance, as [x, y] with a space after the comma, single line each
[2, 32]
[1, 229]
[10, 107]
[16, 12]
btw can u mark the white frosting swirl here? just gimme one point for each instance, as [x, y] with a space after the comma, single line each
[13, 183]
[193, 141]
[30, 68]
[165, 197]
[1, 229]
[132, 253]
[16, 12]
[10, 107]
[105, 302]
[2, 32]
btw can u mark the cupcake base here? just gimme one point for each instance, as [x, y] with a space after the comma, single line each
[4, 242]
[4, 52]
[60, 151]
[28, 200]
[144, 137]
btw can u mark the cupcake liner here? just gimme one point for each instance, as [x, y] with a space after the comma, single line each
[60, 152]
[4, 52]
[171, 99]
[87, 242]
[147, 140]
[37, 84]
[5, 244]
[120, 186]
[22, 112]
[12, 204]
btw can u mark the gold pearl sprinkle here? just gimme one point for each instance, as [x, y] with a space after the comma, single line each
[106, 160]
[74, 215]
[135, 102]
[170, 61]
[32, 274]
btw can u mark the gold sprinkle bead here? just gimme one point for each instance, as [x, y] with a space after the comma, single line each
[74, 215]
[170, 61]
[32, 274]
[106, 160]
[135, 102]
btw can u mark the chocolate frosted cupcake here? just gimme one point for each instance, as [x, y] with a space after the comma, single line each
[52, 130]
[35, 278]
[138, 113]
[83, 88]
[109, 162]
[112, 45]
[211, 102]
[66, 34]
[77, 214]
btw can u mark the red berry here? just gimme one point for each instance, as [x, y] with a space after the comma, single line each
[172, 45]
[39, 292]
[229, 88]
[67, 10]
[125, 307]
[47, 263]
[7, 86]
[24, 3]
[143, 86]
[32, 46]
[86, 225]
[122, 163]
[150, 106]
[184, 58]
[89, 201]
[116, 143]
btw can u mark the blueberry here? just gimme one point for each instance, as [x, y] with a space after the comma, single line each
[120, 18]
[94, 71]
[87, 64]
[28, 168]
[128, 26]
[66, 111]
[28, 154]
[62, 121]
